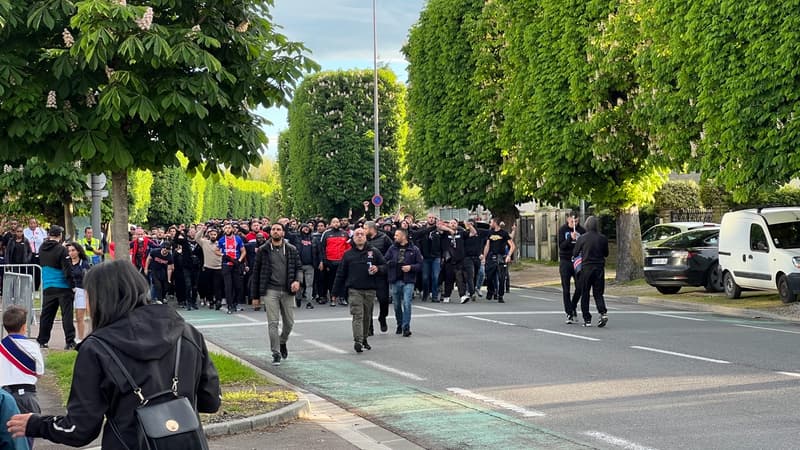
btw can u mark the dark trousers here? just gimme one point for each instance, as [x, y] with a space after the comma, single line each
[475, 261]
[234, 284]
[212, 286]
[319, 283]
[449, 269]
[330, 276]
[567, 272]
[159, 287]
[496, 275]
[382, 292]
[55, 298]
[465, 276]
[592, 277]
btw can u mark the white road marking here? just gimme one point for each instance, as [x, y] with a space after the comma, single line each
[380, 366]
[684, 355]
[538, 298]
[430, 309]
[790, 374]
[325, 346]
[677, 317]
[576, 336]
[230, 325]
[499, 403]
[615, 441]
[251, 319]
[769, 329]
[491, 321]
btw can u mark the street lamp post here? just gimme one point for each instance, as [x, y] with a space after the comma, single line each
[375, 112]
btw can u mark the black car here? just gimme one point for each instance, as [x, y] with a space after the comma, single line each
[686, 259]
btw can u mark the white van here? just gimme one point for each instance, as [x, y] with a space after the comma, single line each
[760, 249]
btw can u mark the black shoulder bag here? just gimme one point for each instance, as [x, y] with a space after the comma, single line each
[167, 420]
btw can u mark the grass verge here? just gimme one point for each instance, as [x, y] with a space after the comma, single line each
[245, 392]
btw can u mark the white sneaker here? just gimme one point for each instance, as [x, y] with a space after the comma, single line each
[446, 300]
[464, 299]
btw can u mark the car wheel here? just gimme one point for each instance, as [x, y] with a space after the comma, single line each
[783, 290]
[714, 279]
[668, 290]
[732, 290]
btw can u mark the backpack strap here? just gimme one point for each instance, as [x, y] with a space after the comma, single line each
[136, 389]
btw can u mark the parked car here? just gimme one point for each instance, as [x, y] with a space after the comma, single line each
[657, 234]
[760, 249]
[686, 259]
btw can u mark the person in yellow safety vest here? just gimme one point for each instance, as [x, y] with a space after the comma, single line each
[92, 246]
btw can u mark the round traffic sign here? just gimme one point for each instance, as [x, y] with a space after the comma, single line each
[377, 200]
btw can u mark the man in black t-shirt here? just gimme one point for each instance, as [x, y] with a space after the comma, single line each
[497, 254]
[160, 264]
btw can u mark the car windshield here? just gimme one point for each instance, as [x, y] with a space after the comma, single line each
[785, 235]
[694, 238]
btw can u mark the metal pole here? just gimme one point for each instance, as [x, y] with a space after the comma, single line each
[97, 200]
[375, 105]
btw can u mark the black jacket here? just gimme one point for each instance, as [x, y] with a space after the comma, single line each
[565, 243]
[592, 246]
[411, 257]
[308, 248]
[11, 247]
[381, 241]
[261, 270]
[429, 240]
[144, 341]
[353, 270]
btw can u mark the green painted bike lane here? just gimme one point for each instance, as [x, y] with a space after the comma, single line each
[428, 418]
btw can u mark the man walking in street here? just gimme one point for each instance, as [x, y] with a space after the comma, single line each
[332, 245]
[381, 242]
[309, 257]
[356, 279]
[276, 278]
[57, 293]
[231, 249]
[429, 240]
[497, 254]
[403, 263]
[567, 236]
[593, 248]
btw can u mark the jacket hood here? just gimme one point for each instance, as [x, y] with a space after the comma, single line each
[48, 244]
[591, 224]
[149, 332]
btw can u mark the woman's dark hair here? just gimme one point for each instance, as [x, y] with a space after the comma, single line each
[114, 289]
[79, 248]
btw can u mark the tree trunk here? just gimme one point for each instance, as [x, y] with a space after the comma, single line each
[119, 224]
[630, 256]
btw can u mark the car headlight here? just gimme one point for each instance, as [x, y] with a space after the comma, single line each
[796, 261]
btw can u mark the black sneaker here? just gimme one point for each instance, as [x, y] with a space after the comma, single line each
[399, 330]
[587, 324]
[570, 319]
[407, 332]
[298, 302]
[284, 351]
[333, 303]
[500, 300]
[357, 346]
[46, 346]
[384, 327]
[70, 346]
[309, 305]
[603, 321]
[276, 359]
[366, 345]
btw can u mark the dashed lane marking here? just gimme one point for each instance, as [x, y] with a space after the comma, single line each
[499, 403]
[538, 298]
[402, 373]
[250, 319]
[790, 374]
[769, 329]
[490, 321]
[325, 346]
[430, 309]
[683, 355]
[576, 336]
[615, 441]
[677, 317]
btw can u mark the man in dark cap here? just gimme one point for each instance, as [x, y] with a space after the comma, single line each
[54, 260]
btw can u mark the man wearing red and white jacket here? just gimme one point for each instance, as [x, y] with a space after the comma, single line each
[332, 246]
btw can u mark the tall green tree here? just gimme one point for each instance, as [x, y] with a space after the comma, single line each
[171, 199]
[121, 86]
[327, 156]
[455, 77]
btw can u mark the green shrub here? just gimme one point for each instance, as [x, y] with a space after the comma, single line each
[677, 195]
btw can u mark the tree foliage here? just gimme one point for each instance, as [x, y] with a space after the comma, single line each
[454, 97]
[677, 195]
[327, 156]
[122, 86]
[41, 189]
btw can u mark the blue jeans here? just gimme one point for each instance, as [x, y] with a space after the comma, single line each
[402, 294]
[430, 277]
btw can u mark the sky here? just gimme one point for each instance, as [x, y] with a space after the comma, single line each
[339, 35]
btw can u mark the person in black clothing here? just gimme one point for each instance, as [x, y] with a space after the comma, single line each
[144, 337]
[309, 257]
[381, 242]
[497, 254]
[455, 264]
[356, 279]
[182, 277]
[429, 240]
[473, 249]
[196, 257]
[18, 249]
[568, 234]
[57, 293]
[159, 265]
[593, 248]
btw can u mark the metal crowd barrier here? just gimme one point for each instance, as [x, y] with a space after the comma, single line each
[22, 286]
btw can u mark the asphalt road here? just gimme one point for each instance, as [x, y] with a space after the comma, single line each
[513, 375]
